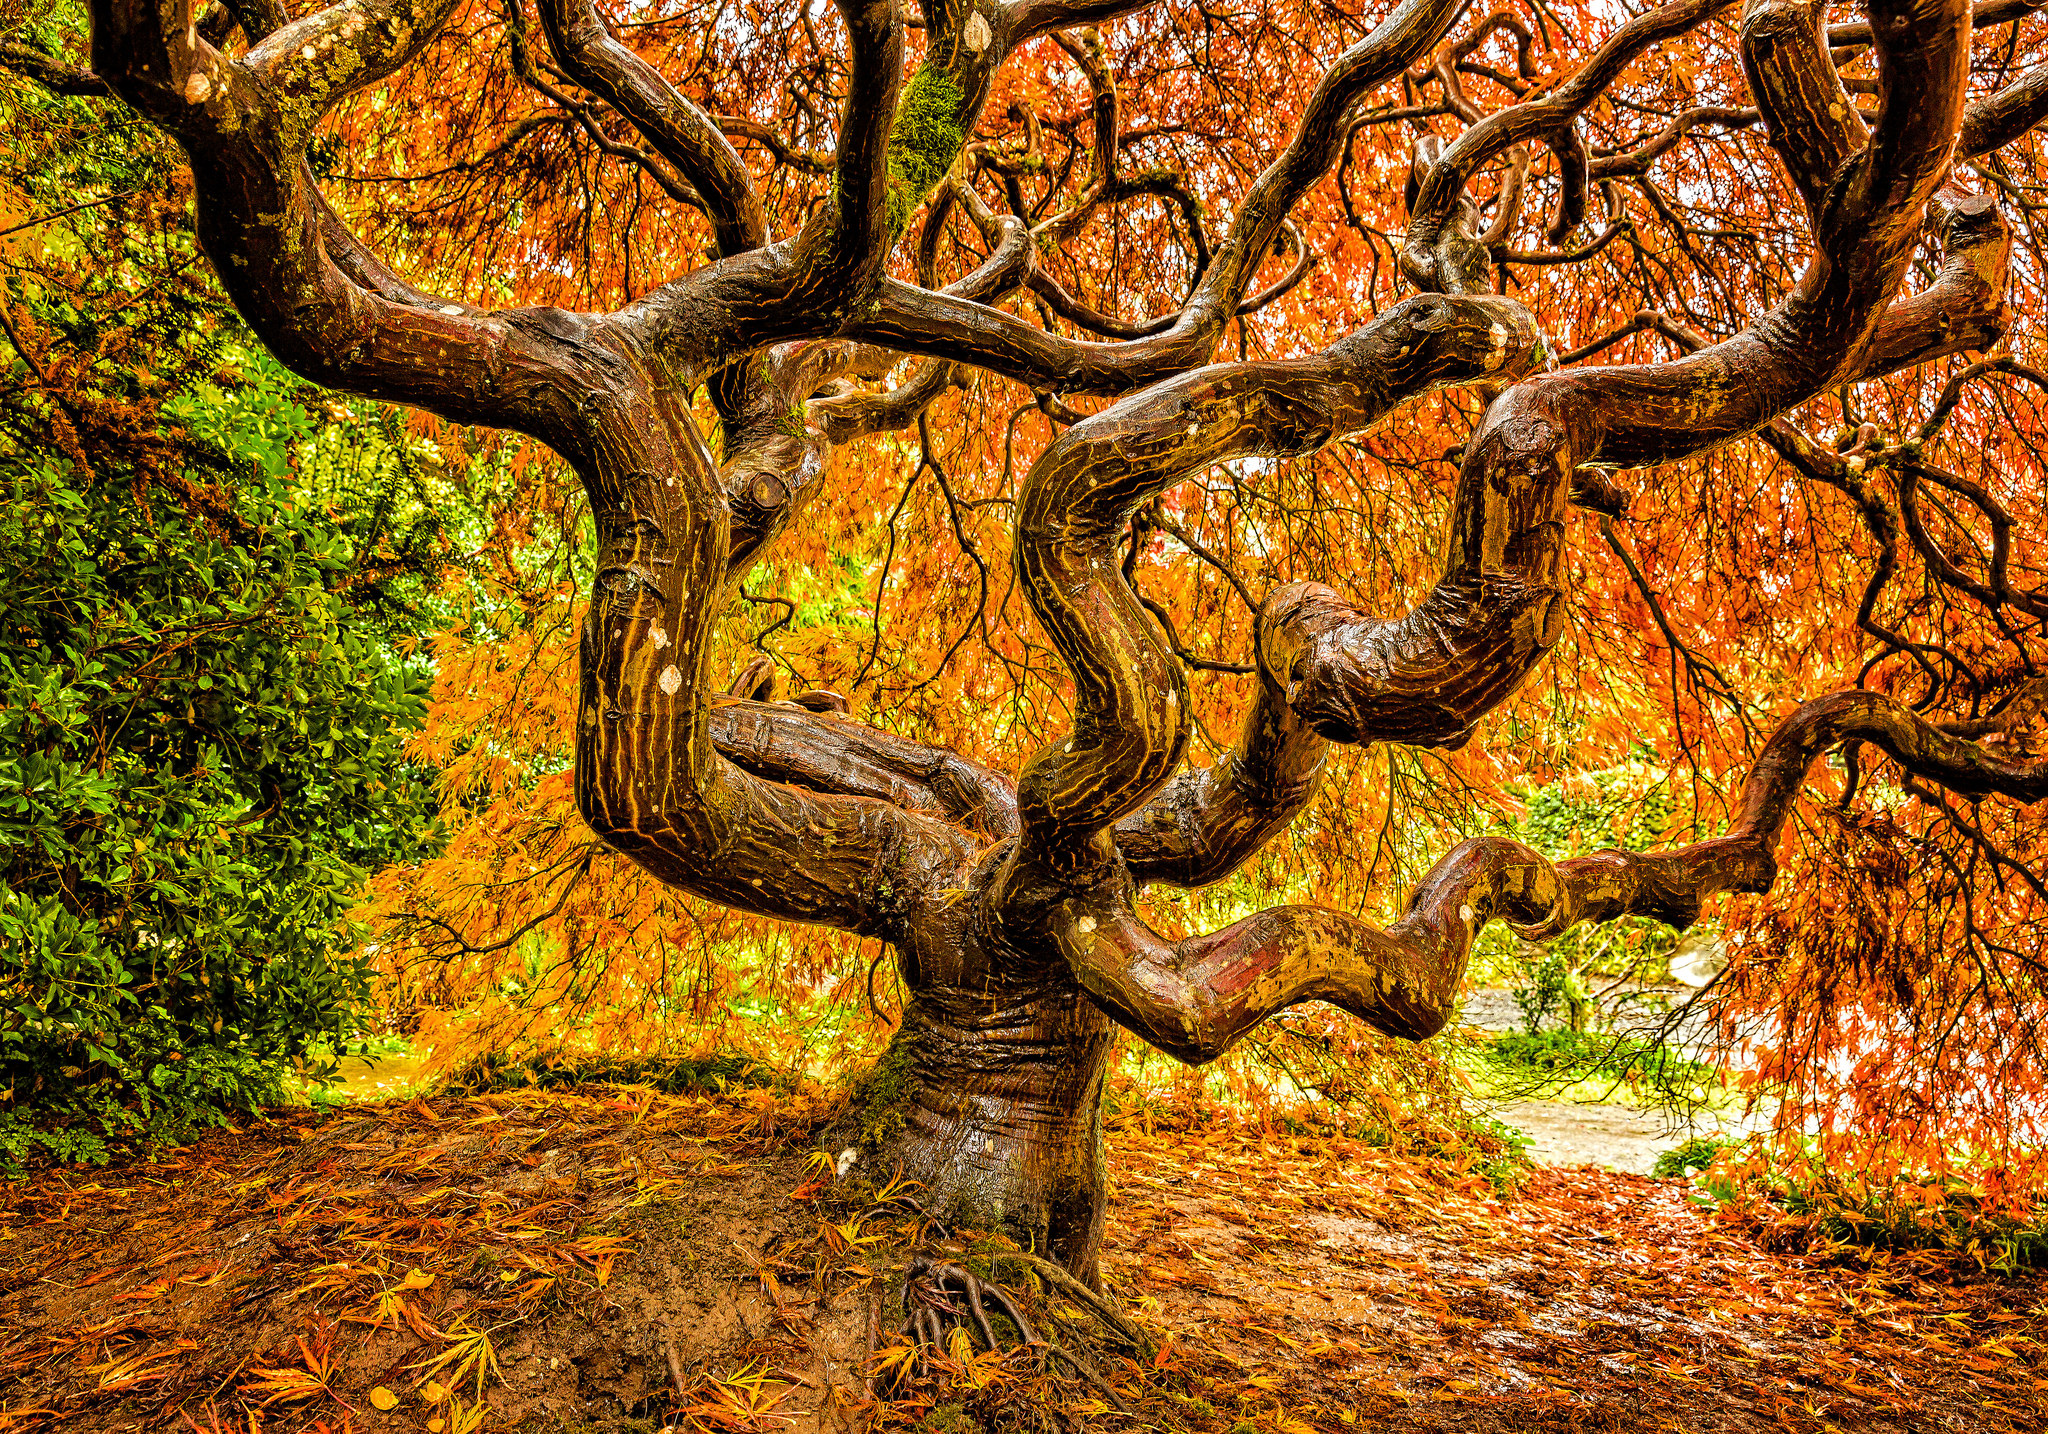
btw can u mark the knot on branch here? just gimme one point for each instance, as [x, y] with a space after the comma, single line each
[1422, 679]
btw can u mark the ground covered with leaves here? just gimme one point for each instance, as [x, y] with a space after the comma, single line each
[615, 1258]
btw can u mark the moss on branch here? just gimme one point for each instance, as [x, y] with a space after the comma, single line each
[923, 143]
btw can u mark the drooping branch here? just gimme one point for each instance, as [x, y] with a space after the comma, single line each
[1196, 998]
[676, 128]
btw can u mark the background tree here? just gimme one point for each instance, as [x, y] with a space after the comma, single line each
[1013, 907]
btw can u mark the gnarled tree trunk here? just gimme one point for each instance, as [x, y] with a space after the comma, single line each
[990, 1097]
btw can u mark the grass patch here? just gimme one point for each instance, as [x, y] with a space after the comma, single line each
[671, 1075]
[1554, 1059]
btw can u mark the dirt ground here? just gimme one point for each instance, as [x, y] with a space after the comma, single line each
[614, 1259]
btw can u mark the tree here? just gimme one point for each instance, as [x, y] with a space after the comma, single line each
[1013, 904]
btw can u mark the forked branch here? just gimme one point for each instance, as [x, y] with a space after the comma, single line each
[1131, 722]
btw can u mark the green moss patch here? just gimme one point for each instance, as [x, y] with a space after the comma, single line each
[923, 143]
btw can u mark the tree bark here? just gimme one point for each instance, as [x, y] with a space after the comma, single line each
[990, 1097]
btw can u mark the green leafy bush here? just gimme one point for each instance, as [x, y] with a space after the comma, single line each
[671, 1075]
[1936, 1215]
[1792, 1200]
[1551, 984]
[200, 752]
[207, 573]
[1577, 1055]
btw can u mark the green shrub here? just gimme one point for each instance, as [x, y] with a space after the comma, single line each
[200, 753]
[206, 573]
[671, 1075]
[1579, 1055]
[1693, 1156]
[1942, 1216]
[1792, 1198]
[1506, 1151]
[1551, 984]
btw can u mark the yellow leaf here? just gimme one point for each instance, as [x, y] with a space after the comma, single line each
[384, 1399]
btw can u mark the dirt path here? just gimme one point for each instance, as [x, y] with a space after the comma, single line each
[1613, 1137]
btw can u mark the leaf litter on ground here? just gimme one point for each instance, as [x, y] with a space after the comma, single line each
[572, 1259]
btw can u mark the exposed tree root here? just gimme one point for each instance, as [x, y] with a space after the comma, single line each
[1060, 1279]
[928, 1304]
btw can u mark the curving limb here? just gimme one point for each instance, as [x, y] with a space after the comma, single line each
[1965, 308]
[1806, 112]
[1636, 162]
[914, 320]
[1428, 676]
[1131, 723]
[650, 778]
[317, 299]
[831, 755]
[1197, 997]
[1997, 120]
[1208, 821]
[1430, 255]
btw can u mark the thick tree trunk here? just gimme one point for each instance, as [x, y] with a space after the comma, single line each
[991, 1098]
